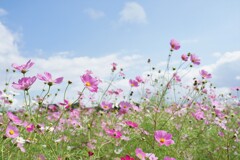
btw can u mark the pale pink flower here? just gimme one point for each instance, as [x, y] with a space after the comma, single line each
[106, 105]
[133, 83]
[24, 83]
[198, 115]
[23, 68]
[151, 156]
[12, 131]
[66, 104]
[205, 74]
[47, 77]
[140, 154]
[163, 138]
[195, 59]
[139, 79]
[176, 77]
[114, 66]
[174, 44]
[90, 82]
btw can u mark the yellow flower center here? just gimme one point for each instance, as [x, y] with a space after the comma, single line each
[124, 106]
[106, 107]
[88, 84]
[162, 140]
[11, 132]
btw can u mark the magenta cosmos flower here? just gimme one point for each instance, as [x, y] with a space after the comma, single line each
[163, 138]
[127, 157]
[66, 104]
[23, 68]
[106, 105]
[47, 77]
[113, 133]
[131, 124]
[140, 154]
[12, 131]
[168, 158]
[195, 59]
[174, 44]
[90, 82]
[133, 83]
[24, 83]
[205, 74]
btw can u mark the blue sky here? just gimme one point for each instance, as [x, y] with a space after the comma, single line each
[92, 34]
[204, 27]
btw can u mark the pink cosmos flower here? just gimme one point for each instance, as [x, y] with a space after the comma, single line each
[176, 77]
[23, 68]
[140, 154]
[30, 127]
[24, 83]
[47, 77]
[113, 133]
[205, 74]
[114, 66]
[12, 131]
[66, 104]
[174, 44]
[127, 157]
[198, 115]
[163, 138]
[124, 106]
[184, 57]
[151, 156]
[14, 118]
[131, 124]
[195, 59]
[90, 82]
[133, 83]
[106, 105]
[168, 158]
[139, 79]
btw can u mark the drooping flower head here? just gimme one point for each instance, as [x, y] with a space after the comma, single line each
[90, 82]
[24, 83]
[23, 68]
[184, 57]
[174, 44]
[47, 77]
[12, 131]
[205, 74]
[114, 66]
[140, 154]
[163, 138]
[106, 105]
[133, 83]
[194, 59]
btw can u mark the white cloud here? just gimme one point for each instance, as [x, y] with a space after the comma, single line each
[238, 78]
[61, 65]
[94, 14]
[133, 13]
[3, 12]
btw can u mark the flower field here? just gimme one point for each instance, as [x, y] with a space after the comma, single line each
[162, 116]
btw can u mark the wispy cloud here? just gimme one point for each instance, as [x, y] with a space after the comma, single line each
[94, 14]
[133, 13]
[3, 12]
